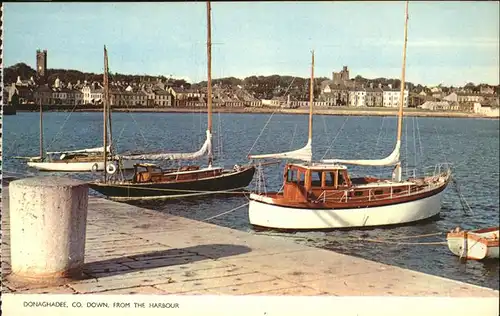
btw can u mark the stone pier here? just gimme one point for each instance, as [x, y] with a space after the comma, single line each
[130, 250]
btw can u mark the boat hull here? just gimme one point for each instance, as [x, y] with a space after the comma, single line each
[230, 180]
[475, 245]
[9, 110]
[263, 213]
[80, 166]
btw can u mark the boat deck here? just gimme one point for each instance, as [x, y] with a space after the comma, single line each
[130, 250]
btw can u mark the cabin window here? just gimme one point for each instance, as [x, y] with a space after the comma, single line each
[341, 179]
[301, 177]
[329, 177]
[395, 191]
[377, 192]
[316, 179]
[358, 193]
[291, 176]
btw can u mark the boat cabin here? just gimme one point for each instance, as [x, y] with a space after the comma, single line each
[73, 157]
[311, 180]
[332, 183]
[148, 173]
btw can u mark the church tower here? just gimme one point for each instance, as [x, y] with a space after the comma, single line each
[41, 63]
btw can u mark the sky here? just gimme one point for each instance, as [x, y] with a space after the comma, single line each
[449, 43]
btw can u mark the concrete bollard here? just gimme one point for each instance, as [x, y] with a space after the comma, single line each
[48, 217]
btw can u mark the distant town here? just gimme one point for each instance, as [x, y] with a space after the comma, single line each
[27, 88]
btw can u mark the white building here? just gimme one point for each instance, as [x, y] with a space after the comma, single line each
[486, 110]
[357, 97]
[392, 97]
[92, 96]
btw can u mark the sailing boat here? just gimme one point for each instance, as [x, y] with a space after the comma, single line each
[80, 160]
[151, 181]
[323, 196]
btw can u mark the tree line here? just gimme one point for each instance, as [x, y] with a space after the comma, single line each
[261, 87]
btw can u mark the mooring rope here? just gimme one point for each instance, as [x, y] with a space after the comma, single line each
[231, 210]
[465, 205]
[416, 236]
[388, 240]
[403, 243]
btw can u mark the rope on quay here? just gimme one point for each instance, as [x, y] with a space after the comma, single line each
[402, 243]
[389, 240]
[415, 236]
[231, 210]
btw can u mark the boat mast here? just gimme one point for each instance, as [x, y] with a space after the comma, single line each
[41, 127]
[311, 99]
[397, 170]
[105, 129]
[109, 118]
[209, 79]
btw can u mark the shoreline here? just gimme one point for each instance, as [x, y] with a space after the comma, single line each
[300, 111]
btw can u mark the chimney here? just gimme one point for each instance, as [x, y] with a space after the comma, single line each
[390, 86]
[380, 85]
[371, 85]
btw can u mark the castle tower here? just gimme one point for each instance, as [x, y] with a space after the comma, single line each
[345, 73]
[41, 63]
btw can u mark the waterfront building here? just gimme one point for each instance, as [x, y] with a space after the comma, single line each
[92, 94]
[128, 99]
[162, 98]
[374, 96]
[392, 97]
[357, 97]
[334, 94]
[43, 95]
[463, 97]
[20, 94]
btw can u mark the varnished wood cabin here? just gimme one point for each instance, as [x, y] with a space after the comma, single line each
[331, 184]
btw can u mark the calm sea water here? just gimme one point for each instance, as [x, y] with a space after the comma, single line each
[472, 145]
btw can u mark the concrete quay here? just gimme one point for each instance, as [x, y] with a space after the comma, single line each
[130, 250]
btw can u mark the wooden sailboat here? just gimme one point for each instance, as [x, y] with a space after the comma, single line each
[151, 181]
[475, 244]
[80, 160]
[322, 195]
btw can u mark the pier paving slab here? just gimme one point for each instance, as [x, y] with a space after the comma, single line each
[136, 290]
[297, 291]
[255, 287]
[51, 290]
[234, 280]
[134, 250]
